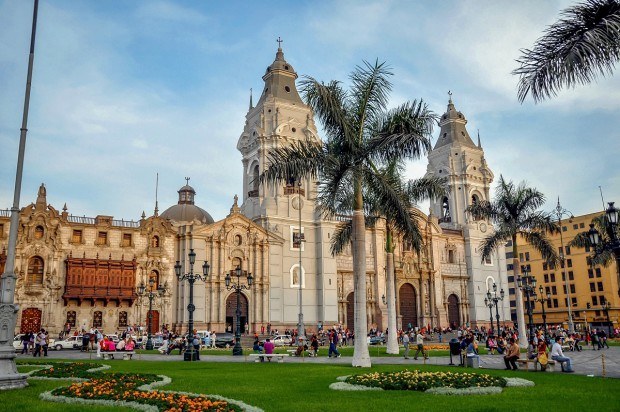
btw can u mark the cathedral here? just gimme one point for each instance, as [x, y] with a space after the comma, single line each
[98, 271]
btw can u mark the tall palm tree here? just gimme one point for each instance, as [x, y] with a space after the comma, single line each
[515, 215]
[360, 133]
[403, 225]
[583, 44]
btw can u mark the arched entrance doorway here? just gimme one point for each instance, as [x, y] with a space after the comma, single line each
[408, 306]
[454, 314]
[154, 320]
[231, 309]
[31, 320]
[351, 311]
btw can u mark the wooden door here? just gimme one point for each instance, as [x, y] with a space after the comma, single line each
[31, 320]
[408, 304]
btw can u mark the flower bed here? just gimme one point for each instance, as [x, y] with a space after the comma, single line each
[422, 381]
[127, 389]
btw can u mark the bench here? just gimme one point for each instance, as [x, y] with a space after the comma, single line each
[260, 357]
[526, 362]
[127, 355]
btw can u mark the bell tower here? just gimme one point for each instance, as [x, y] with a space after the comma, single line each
[303, 260]
[456, 157]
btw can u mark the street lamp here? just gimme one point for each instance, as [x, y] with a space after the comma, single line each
[191, 277]
[150, 295]
[612, 244]
[606, 308]
[238, 287]
[491, 301]
[559, 212]
[527, 283]
[543, 301]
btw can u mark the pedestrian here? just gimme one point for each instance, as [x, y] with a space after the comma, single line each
[333, 345]
[26, 342]
[419, 340]
[213, 340]
[39, 342]
[406, 344]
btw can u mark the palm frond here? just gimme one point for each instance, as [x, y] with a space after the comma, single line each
[328, 101]
[426, 188]
[542, 244]
[369, 95]
[492, 242]
[341, 237]
[300, 160]
[584, 43]
[403, 132]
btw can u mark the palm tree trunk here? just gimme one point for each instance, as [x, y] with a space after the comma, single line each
[361, 357]
[392, 342]
[518, 295]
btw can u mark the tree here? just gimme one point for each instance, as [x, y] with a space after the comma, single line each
[360, 133]
[583, 43]
[398, 223]
[515, 215]
[601, 254]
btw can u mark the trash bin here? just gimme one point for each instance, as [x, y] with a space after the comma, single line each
[455, 349]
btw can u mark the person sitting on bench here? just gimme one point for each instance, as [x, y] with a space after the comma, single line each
[511, 356]
[558, 355]
[268, 349]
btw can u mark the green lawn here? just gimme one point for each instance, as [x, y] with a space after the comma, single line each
[304, 387]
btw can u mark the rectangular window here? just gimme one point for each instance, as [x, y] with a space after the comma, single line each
[553, 277]
[513, 304]
[102, 238]
[548, 304]
[509, 243]
[572, 288]
[488, 261]
[590, 273]
[567, 248]
[564, 229]
[575, 226]
[509, 255]
[573, 301]
[521, 257]
[563, 277]
[126, 239]
[571, 276]
[581, 225]
[560, 252]
[592, 287]
[601, 299]
[594, 301]
[510, 266]
[588, 249]
[554, 290]
[527, 256]
[569, 262]
[597, 313]
[76, 236]
[511, 278]
[511, 291]
[545, 265]
[598, 272]
[297, 238]
[564, 289]
[546, 276]
[555, 303]
[566, 302]
[547, 290]
[600, 286]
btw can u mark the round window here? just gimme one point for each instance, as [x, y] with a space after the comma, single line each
[288, 89]
[294, 130]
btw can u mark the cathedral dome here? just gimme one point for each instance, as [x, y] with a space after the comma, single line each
[185, 210]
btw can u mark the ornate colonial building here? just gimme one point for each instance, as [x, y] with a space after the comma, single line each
[85, 271]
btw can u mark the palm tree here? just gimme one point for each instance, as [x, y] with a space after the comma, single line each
[396, 223]
[583, 44]
[360, 133]
[515, 215]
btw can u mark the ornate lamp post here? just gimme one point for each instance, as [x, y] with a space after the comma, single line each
[191, 277]
[238, 287]
[150, 295]
[606, 308]
[612, 245]
[560, 212]
[527, 283]
[491, 301]
[543, 301]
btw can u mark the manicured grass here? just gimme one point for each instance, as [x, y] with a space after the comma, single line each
[303, 387]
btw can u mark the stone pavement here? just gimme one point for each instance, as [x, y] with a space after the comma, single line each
[586, 362]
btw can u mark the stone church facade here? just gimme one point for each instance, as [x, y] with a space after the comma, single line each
[85, 271]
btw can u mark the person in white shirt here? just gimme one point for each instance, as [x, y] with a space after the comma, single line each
[558, 355]
[406, 344]
[213, 339]
[419, 340]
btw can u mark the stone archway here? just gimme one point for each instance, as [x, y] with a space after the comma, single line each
[454, 313]
[31, 320]
[231, 312]
[408, 304]
[351, 311]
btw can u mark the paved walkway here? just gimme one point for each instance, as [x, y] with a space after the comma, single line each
[586, 362]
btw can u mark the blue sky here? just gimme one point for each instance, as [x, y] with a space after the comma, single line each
[123, 90]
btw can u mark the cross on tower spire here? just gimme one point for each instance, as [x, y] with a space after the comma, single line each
[187, 181]
[450, 96]
[279, 40]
